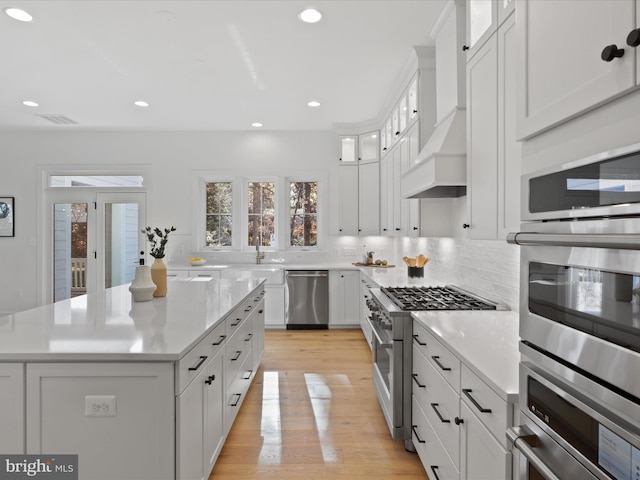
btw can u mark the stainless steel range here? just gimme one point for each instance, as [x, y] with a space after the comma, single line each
[392, 328]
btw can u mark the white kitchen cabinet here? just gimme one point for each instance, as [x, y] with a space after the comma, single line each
[274, 304]
[459, 421]
[483, 19]
[12, 413]
[493, 154]
[63, 401]
[200, 421]
[482, 457]
[348, 145]
[369, 199]
[386, 195]
[369, 147]
[172, 273]
[412, 100]
[561, 72]
[344, 288]
[348, 200]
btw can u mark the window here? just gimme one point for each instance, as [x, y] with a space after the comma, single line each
[219, 214]
[280, 213]
[261, 213]
[303, 217]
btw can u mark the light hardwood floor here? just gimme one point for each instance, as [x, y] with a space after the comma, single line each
[312, 413]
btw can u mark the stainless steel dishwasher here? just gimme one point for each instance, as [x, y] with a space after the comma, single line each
[307, 299]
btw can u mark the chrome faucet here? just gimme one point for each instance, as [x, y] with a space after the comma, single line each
[259, 256]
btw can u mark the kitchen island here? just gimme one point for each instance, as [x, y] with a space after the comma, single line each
[138, 390]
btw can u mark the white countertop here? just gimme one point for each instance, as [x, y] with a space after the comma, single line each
[111, 327]
[486, 341]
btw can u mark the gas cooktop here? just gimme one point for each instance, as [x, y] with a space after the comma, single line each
[435, 298]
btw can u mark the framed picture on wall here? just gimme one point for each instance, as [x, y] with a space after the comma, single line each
[7, 218]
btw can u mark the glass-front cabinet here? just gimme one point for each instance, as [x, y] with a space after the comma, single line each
[483, 19]
[369, 147]
[348, 150]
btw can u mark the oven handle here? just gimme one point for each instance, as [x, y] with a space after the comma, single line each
[525, 440]
[375, 332]
[619, 241]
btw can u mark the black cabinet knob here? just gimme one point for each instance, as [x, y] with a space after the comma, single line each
[397, 229]
[458, 420]
[415, 111]
[465, 48]
[610, 52]
[465, 225]
[633, 39]
[415, 228]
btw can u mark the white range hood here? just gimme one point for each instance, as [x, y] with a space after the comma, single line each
[440, 169]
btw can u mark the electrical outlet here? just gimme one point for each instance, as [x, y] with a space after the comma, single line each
[350, 252]
[100, 405]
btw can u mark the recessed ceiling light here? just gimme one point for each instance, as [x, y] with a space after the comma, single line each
[141, 103]
[18, 14]
[310, 15]
[256, 124]
[313, 103]
[30, 103]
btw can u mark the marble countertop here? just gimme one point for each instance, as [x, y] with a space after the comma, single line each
[485, 341]
[111, 327]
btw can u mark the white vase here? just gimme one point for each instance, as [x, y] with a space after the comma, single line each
[142, 286]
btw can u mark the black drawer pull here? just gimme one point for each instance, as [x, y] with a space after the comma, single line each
[239, 395]
[413, 429]
[199, 364]
[415, 379]
[236, 322]
[435, 409]
[248, 308]
[238, 354]
[260, 311]
[467, 392]
[220, 340]
[209, 380]
[415, 339]
[435, 473]
[247, 375]
[248, 337]
[436, 359]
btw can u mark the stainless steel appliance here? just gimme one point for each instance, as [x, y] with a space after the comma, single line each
[307, 299]
[580, 320]
[392, 328]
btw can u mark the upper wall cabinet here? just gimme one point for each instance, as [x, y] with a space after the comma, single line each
[356, 149]
[573, 57]
[348, 150]
[483, 19]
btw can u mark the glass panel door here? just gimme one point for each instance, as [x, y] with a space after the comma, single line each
[71, 244]
[120, 240]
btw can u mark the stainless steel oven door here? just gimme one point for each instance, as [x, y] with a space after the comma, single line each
[387, 377]
[580, 297]
[572, 427]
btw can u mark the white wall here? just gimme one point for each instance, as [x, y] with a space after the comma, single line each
[485, 267]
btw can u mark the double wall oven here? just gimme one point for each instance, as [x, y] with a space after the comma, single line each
[580, 320]
[392, 326]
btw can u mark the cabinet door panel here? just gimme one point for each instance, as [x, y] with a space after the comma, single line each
[482, 138]
[560, 72]
[12, 413]
[214, 413]
[348, 201]
[482, 457]
[369, 199]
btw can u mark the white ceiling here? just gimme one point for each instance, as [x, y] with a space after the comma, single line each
[204, 65]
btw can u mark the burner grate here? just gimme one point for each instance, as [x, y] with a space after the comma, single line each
[434, 298]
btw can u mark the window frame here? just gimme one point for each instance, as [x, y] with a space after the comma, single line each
[240, 226]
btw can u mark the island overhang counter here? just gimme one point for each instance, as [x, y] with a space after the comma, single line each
[138, 390]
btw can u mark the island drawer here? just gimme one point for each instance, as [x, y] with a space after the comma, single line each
[445, 362]
[239, 315]
[189, 366]
[236, 391]
[237, 349]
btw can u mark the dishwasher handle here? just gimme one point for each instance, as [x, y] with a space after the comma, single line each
[307, 274]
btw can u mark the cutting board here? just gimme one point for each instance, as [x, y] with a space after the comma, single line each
[372, 265]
